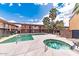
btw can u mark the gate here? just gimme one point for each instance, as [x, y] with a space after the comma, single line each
[75, 33]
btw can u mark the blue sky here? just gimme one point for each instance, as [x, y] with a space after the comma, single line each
[34, 12]
[24, 12]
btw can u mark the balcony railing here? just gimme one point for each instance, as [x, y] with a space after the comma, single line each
[2, 27]
[7, 27]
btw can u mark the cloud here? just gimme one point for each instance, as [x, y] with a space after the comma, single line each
[21, 16]
[19, 4]
[40, 3]
[12, 21]
[66, 22]
[2, 18]
[66, 13]
[65, 10]
[11, 4]
[33, 21]
[40, 23]
[67, 7]
[8, 20]
[18, 25]
[2, 3]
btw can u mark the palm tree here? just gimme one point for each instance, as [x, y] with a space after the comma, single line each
[52, 13]
[49, 21]
[76, 9]
[52, 16]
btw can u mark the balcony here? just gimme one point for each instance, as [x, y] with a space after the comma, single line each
[1, 26]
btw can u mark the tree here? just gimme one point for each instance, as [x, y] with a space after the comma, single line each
[46, 22]
[49, 21]
[52, 16]
[52, 13]
[59, 25]
[76, 9]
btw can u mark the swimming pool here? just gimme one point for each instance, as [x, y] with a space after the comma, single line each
[56, 44]
[20, 37]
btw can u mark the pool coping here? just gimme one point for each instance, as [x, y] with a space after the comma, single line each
[5, 38]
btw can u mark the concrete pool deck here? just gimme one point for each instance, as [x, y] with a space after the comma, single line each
[35, 47]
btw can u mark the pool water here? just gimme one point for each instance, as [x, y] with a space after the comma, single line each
[56, 44]
[19, 38]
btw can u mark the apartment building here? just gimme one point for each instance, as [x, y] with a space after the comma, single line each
[6, 27]
[32, 28]
[74, 26]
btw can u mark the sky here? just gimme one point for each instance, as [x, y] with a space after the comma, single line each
[34, 12]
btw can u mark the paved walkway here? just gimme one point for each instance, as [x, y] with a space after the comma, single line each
[35, 47]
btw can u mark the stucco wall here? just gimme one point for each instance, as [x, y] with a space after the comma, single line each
[74, 22]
